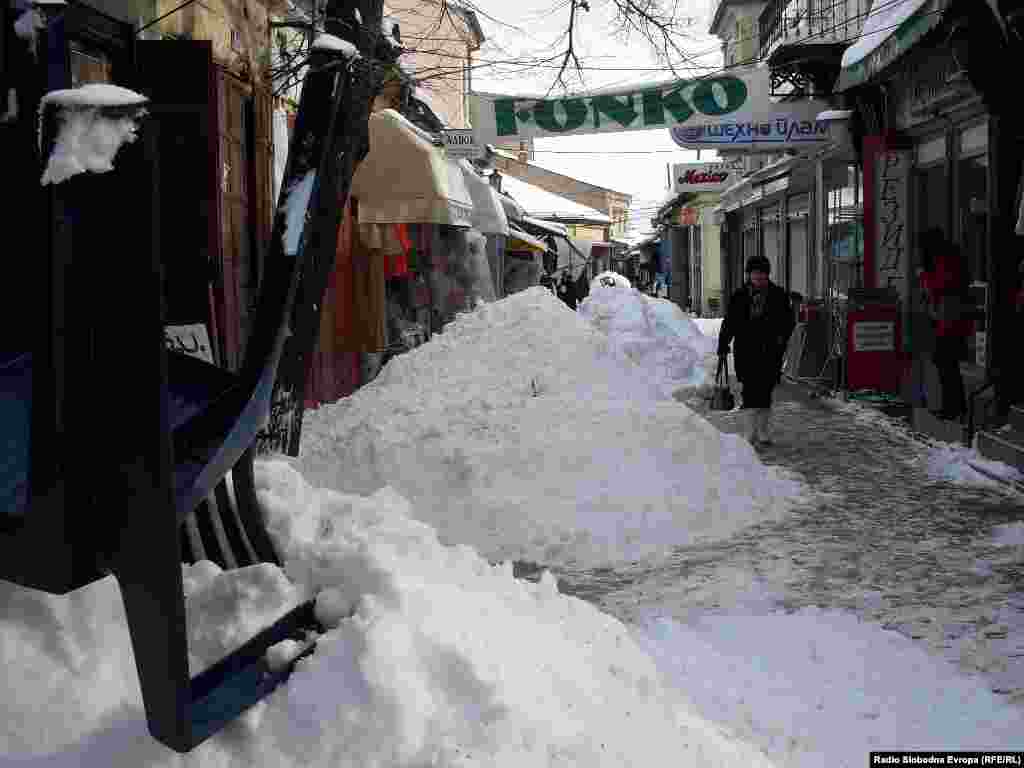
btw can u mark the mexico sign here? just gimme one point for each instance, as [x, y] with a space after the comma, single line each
[702, 177]
[498, 118]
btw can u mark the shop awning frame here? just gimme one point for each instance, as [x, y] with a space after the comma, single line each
[519, 241]
[860, 68]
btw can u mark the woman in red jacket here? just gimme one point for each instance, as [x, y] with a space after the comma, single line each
[944, 283]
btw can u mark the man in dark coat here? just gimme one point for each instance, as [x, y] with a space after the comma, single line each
[760, 320]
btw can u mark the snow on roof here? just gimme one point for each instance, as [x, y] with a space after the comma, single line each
[552, 227]
[95, 95]
[881, 23]
[332, 43]
[540, 203]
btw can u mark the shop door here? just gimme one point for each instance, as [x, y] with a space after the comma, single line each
[972, 190]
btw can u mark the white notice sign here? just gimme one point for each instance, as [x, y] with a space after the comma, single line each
[190, 340]
[460, 144]
[874, 336]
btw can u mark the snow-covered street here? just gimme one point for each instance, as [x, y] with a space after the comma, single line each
[687, 601]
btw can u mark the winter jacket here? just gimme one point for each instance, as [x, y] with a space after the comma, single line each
[760, 343]
[947, 299]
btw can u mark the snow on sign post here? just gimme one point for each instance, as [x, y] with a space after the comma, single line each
[461, 144]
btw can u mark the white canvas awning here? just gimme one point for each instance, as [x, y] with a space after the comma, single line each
[551, 227]
[405, 179]
[891, 29]
[513, 210]
[488, 211]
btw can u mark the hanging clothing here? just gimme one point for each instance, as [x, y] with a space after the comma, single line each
[368, 298]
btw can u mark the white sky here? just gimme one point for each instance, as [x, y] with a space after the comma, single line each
[633, 162]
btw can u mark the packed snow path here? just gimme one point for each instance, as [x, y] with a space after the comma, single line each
[901, 540]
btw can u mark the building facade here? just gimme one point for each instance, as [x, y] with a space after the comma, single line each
[611, 203]
[737, 24]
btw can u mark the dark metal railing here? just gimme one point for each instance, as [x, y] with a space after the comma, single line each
[791, 22]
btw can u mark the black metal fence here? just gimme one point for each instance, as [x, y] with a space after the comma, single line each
[810, 22]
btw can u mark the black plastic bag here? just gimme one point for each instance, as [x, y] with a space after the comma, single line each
[722, 398]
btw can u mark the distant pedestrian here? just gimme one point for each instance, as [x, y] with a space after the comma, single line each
[759, 318]
[944, 283]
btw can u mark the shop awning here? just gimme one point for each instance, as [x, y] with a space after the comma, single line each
[551, 227]
[891, 29]
[520, 241]
[406, 179]
[488, 212]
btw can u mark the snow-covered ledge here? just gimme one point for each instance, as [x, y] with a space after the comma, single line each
[335, 45]
[96, 120]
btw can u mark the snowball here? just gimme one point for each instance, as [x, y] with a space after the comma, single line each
[284, 653]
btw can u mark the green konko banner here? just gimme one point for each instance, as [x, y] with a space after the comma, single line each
[501, 118]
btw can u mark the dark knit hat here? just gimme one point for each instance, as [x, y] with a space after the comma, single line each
[759, 264]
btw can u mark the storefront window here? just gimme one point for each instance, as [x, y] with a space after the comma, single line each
[749, 238]
[972, 194]
[845, 234]
[797, 244]
[932, 190]
[770, 240]
[973, 189]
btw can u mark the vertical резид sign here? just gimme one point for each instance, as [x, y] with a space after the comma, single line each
[891, 234]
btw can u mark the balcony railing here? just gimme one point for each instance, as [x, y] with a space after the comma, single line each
[810, 22]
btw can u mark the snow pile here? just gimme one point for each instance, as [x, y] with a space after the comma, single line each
[88, 139]
[1010, 535]
[816, 688]
[709, 326]
[965, 466]
[431, 656]
[511, 432]
[655, 333]
[66, 663]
